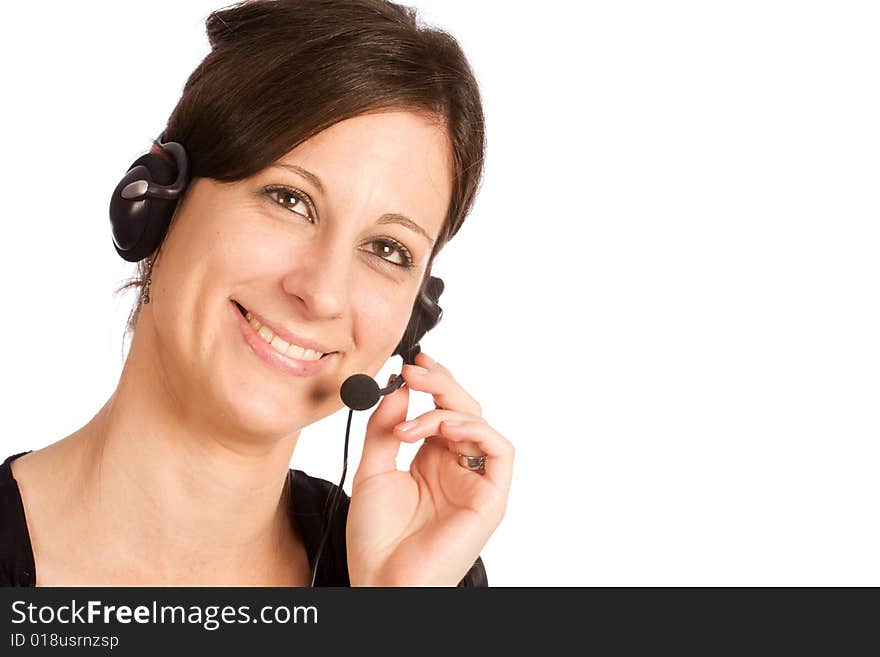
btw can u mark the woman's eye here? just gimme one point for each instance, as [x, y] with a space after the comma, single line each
[290, 199]
[389, 250]
[384, 247]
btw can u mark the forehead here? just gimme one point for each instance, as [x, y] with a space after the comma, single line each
[391, 161]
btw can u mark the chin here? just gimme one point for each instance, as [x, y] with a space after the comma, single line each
[248, 408]
[265, 420]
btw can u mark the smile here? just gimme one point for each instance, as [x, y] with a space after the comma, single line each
[288, 357]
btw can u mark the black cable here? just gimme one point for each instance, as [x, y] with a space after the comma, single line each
[335, 495]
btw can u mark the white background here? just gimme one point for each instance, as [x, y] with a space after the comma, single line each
[666, 295]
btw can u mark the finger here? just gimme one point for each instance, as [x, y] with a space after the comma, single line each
[381, 446]
[427, 426]
[435, 379]
[498, 450]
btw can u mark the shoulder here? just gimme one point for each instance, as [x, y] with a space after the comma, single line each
[311, 498]
[476, 576]
[11, 508]
[310, 508]
[16, 554]
[312, 486]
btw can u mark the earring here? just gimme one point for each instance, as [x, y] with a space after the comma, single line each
[145, 295]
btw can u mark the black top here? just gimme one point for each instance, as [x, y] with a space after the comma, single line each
[310, 493]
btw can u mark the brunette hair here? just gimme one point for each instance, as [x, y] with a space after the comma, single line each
[281, 71]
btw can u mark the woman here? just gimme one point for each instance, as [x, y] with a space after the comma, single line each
[334, 148]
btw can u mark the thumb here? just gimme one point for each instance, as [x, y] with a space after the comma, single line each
[381, 446]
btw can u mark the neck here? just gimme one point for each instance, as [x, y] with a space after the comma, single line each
[175, 487]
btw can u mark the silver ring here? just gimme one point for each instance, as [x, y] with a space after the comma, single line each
[474, 463]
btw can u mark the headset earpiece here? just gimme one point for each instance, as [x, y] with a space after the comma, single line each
[426, 313]
[143, 202]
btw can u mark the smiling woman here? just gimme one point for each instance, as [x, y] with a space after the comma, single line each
[321, 155]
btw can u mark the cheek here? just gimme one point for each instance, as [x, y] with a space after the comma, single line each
[382, 319]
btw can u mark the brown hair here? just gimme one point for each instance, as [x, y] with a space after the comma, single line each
[281, 71]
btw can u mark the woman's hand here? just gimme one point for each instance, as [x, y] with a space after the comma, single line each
[427, 525]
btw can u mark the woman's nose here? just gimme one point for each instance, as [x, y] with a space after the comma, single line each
[320, 279]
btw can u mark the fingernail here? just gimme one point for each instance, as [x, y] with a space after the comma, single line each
[415, 369]
[406, 426]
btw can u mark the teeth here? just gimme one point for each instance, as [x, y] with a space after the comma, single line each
[291, 350]
[279, 344]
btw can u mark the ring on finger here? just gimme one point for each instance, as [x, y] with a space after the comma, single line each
[473, 463]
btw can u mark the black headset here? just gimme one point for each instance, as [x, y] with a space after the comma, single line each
[141, 209]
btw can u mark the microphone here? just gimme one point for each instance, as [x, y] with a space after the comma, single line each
[360, 391]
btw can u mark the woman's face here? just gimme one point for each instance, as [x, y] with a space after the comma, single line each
[314, 245]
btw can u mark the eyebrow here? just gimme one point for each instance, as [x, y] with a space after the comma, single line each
[387, 218]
